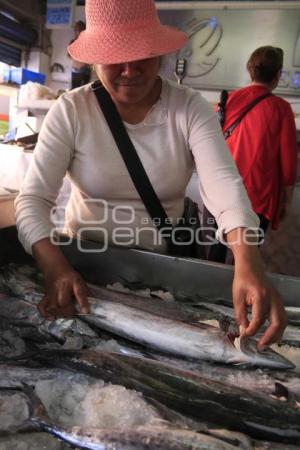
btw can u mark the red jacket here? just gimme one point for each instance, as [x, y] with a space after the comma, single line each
[264, 147]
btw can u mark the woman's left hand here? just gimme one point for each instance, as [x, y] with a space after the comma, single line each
[251, 288]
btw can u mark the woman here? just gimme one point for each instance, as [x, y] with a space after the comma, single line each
[172, 128]
[264, 144]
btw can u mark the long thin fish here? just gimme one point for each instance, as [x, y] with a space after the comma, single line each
[14, 376]
[139, 438]
[207, 343]
[201, 342]
[254, 380]
[187, 392]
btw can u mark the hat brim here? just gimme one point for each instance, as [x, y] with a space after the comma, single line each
[125, 46]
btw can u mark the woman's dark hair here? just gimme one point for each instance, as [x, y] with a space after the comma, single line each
[265, 63]
[79, 26]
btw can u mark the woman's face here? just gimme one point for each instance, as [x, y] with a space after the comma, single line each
[130, 82]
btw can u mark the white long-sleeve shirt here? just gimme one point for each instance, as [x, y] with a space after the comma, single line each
[180, 132]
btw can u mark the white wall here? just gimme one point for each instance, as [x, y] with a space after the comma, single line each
[221, 41]
[60, 40]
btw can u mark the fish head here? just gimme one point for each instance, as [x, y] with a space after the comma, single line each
[265, 358]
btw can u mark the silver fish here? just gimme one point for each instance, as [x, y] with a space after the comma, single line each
[23, 314]
[254, 380]
[293, 314]
[200, 342]
[14, 376]
[166, 308]
[189, 393]
[139, 438]
[26, 280]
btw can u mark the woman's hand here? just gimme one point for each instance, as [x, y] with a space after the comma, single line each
[63, 283]
[252, 289]
[61, 289]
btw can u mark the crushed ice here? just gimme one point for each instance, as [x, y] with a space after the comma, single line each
[77, 400]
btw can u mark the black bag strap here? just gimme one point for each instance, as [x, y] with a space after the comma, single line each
[221, 105]
[229, 130]
[130, 157]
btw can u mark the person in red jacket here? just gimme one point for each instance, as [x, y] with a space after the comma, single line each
[264, 144]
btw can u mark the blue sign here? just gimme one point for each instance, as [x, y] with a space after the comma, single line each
[60, 13]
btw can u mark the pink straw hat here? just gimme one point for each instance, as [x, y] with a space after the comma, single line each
[120, 31]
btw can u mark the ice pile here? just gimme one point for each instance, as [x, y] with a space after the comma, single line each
[80, 401]
[291, 353]
[13, 409]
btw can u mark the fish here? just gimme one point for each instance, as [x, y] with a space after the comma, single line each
[199, 342]
[187, 392]
[255, 380]
[12, 375]
[293, 314]
[207, 342]
[163, 416]
[26, 282]
[166, 308]
[141, 437]
[23, 314]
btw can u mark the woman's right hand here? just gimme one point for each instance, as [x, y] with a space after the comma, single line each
[62, 289]
[63, 284]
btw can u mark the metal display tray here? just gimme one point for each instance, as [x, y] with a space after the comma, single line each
[189, 279]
